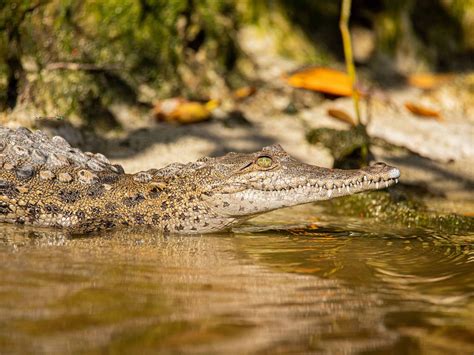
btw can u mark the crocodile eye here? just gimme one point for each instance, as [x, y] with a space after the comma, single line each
[264, 162]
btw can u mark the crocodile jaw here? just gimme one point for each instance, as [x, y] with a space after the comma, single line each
[304, 185]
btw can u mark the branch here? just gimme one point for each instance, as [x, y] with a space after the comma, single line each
[79, 66]
[31, 9]
[13, 31]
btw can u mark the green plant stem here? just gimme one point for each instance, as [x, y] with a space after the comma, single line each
[346, 40]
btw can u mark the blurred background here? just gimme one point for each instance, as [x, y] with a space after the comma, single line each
[76, 58]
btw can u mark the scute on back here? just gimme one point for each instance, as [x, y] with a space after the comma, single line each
[28, 150]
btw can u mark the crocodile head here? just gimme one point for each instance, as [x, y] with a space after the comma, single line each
[238, 186]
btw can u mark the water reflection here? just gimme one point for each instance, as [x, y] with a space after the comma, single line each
[424, 281]
[340, 286]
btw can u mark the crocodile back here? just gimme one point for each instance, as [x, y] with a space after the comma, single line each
[46, 182]
[27, 152]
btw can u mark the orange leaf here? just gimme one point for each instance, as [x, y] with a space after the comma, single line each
[183, 111]
[244, 92]
[341, 115]
[325, 80]
[428, 81]
[422, 111]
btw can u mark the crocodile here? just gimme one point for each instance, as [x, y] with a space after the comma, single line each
[45, 182]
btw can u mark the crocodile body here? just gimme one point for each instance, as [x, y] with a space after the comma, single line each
[45, 182]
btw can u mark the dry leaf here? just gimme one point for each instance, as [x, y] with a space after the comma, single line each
[422, 111]
[325, 80]
[244, 92]
[428, 81]
[341, 115]
[183, 111]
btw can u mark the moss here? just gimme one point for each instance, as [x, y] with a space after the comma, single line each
[399, 209]
[349, 148]
[286, 22]
[119, 46]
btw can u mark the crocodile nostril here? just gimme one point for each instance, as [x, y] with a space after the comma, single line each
[394, 173]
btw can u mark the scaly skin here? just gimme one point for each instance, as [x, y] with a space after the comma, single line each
[44, 182]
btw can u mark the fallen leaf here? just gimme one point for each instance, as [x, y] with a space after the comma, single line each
[244, 92]
[341, 115]
[427, 81]
[325, 80]
[183, 111]
[212, 104]
[422, 111]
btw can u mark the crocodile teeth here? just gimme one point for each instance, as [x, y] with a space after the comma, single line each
[377, 185]
[386, 183]
[329, 193]
[348, 189]
[396, 181]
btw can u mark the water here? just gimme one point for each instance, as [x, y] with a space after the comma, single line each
[274, 286]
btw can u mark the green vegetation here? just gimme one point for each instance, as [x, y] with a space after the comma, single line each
[399, 209]
[75, 58]
[347, 147]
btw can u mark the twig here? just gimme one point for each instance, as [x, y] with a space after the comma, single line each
[346, 40]
[79, 66]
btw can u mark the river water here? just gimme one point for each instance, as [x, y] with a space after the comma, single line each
[273, 286]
